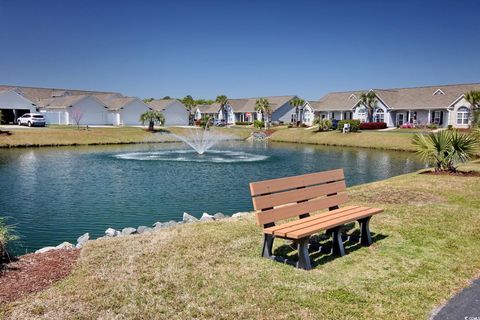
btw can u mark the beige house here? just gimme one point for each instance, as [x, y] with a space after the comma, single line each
[443, 105]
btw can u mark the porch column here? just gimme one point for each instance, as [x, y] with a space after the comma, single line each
[429, 117]
[341, 115]
[409, 116]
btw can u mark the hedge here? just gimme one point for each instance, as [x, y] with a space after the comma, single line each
[373, 125]
[354, 125]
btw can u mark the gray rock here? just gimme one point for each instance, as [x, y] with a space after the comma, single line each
[143, 229]
[240, 214]
[82, 240]
[157, 225]
[189, 218]
[110, 232]
[46, 249]
[170, 223]
[207, 217]
[219, 215]
[65, 246]
[128, 231]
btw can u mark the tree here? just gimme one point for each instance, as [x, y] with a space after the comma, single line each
[147, 100]
[445, 149]
[222, 100]
[297, 103]
[369, 101]
[152, 117]
[77, 116]
[189, 102]
[166, 98]
[473, 97]
[262, 105]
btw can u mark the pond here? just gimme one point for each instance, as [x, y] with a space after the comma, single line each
[53, 195]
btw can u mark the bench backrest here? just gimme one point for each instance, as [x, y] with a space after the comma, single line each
[284, 198]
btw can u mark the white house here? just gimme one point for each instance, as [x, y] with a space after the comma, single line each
[123, 111]
[84, 109]
[243, 110]
[206, 110]
[173, 110]
[441, 105]
[14, 105]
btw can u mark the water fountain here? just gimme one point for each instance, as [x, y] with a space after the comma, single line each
[201, 142]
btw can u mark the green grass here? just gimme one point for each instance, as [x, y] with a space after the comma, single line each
[427, 248]
[70, 135]
[394, 140]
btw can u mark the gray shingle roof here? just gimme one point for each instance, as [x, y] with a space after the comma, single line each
[398, 98]
[248, 104]
[162, 104]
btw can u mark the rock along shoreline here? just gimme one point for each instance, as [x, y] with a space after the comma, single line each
[127, 231]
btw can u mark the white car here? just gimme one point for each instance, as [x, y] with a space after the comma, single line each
[31, 119]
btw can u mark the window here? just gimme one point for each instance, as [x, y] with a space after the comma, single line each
[352, 96]
[462, 116]
[379, 115]
[437, 117]
[362, 114]
[439, 92]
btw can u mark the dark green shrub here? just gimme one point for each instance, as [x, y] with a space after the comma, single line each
[354, 125]
[324, 124]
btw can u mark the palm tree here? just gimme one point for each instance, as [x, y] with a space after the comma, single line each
[189, 102]
[297, 103]
[473, 97]
[445, 149]
[222, 100]
[262, 105]
[369, 101]
[152, 117]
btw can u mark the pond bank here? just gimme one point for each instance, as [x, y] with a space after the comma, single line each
[427, 249]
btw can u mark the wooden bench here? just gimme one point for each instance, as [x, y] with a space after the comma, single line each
[285, 198]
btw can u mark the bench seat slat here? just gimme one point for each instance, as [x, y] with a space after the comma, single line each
[272, 200]
[281, 184]
[297, 209]
[298, 234]
[272, 230]
[321, 219]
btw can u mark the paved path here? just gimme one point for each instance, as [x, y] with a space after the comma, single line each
[465, 305]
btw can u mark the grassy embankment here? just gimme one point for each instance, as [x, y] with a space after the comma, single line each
[427, 247]
[391, 140]
[70, 135]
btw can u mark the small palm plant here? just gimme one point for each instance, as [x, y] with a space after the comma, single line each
[6, 235]
[446, 149]
[152, 117]
[473, 97]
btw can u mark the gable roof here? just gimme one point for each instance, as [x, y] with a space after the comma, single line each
[209, 108]
[248, 104]
[34, 93]
[398, 98]
[61, 102]
[115, 102]
[162, 104]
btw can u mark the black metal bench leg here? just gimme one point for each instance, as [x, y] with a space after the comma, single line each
[303, 257]
[267, 245]
[338, 248]
[366, 238]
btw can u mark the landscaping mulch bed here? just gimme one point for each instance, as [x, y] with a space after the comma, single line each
[34, 272]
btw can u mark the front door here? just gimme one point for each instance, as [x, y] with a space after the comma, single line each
[400, 119]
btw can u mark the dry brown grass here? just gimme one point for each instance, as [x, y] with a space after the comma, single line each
[425, 251]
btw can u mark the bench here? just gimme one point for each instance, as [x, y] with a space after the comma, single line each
[298, 196]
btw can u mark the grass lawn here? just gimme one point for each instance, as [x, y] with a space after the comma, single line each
[427, 247]
[392, 140]
[70, 135]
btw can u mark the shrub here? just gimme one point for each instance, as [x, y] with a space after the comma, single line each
[432, 126]
[258, 124]
[450, 127]
[324, 124]
[354, 125]
[446, 149]
[243, 123]
[373, 125]
[5, 237]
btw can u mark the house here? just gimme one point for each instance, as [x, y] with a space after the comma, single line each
[14, 105]
[173, 110]
[81, 109]
[243, 110]
[442, 105]
[206, 110]
[123, 110]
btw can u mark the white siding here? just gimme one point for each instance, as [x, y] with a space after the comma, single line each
[176, 114]
[130, 114]
[93, 112]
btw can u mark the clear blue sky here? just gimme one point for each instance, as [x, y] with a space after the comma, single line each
[238, 48]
